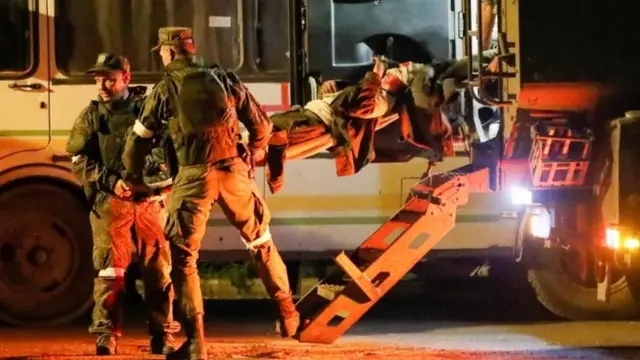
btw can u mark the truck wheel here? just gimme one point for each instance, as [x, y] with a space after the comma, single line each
[560, 289]
[46, 267]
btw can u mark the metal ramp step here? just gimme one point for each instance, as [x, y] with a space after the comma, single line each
[337, 302]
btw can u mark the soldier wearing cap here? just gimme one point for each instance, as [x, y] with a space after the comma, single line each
[117, 208]
[201, 107]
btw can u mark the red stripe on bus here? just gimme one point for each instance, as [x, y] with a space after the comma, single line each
[284, 100]
[284, 95]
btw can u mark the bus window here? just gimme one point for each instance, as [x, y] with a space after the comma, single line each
[85, 28]
[15, 37]
[345, 34]
[272, 36]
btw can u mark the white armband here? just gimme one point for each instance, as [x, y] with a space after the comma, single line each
[141, 130]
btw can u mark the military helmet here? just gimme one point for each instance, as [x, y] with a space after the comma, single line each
[179, 37]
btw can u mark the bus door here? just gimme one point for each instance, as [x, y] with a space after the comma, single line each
[24, 76]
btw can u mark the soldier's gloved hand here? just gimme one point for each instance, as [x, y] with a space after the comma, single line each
[122, 189]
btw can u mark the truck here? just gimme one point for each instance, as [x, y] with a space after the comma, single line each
[45, 238]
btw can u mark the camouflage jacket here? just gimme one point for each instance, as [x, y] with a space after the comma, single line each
[200, 106]
[97, 140]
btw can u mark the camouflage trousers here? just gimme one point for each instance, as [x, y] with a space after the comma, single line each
[195, 190]
[114, 222]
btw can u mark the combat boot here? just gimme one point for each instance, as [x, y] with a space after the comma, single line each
[195, 347]
[289, 319]
[106, 344]
[162, 343]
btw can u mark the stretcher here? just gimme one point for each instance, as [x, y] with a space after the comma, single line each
[324, 142]
[311, 147]
[302, 150]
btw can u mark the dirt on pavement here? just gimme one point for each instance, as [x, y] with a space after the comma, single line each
[65, 343]
[128, 348]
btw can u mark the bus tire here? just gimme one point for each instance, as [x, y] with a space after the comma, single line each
[46, 266]
[563, 295]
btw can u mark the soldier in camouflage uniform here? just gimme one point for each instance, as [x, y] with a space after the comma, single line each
[118, 209]
[201, 106]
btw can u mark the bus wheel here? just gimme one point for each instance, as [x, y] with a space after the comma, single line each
[553, 274]
[46, 270]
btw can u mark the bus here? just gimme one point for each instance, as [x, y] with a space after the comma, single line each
[282, 49]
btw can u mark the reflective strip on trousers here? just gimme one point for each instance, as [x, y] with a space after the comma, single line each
[263, 239]
[112, 272]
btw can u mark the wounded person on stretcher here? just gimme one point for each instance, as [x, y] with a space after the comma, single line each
[345, 121]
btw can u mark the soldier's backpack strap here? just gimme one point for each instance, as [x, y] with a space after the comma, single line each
[171, 99]
[173, 127]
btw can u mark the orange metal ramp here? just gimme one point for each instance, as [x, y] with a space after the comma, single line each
[340, 300]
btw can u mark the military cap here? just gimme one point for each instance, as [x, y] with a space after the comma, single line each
[110, 62]
[180, 37]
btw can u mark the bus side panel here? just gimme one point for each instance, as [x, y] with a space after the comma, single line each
[24, 77]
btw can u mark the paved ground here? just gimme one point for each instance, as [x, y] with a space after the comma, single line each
[421, 326]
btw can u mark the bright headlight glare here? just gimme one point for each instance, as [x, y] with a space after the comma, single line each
[540, 225]
[632, 243]
[617, 240]
[613, 238]
[521, 196]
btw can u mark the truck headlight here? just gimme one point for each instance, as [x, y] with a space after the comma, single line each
[621, 240]
[540, 223]
[632, 243]
[613, 238]
[521, 196]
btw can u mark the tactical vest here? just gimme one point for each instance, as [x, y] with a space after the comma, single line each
[203, 125]
[113, 122]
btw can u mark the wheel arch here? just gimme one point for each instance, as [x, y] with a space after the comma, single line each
[17, 181]
[53, 174]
